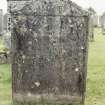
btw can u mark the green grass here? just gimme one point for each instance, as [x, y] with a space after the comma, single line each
[95, 80]
[96, 71]
[5, 84]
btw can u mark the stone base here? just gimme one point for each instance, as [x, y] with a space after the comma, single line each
[47, 99]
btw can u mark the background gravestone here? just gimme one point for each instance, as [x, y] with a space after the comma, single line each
[103, 23]
[49, 46]
[93, 22]
[1, 22]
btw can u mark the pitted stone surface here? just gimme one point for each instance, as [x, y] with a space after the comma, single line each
[49, 45]
[46, 7]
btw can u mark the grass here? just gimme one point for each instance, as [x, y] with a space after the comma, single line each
[95, 80]
[5, 84]
[96, 71]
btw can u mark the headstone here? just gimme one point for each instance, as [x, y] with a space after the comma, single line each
[49, 47]
[1, 21]
[5, 22]
[103, 23]
[92, 23]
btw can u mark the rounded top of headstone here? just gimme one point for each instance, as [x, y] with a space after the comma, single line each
[46, 7]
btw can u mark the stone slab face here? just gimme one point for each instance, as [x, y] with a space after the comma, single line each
[49, 46]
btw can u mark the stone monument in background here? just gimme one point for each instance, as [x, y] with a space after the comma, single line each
[1, 21]
[102, 20]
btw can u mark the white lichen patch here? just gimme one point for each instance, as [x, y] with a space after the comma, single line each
[23, 56]
[29, 94]
[30, 42]
[25, 29]
[48, 59]
[82, 48]
[37, 84]
[71, 26]
[30, 29]
[77, 69]
[23, 61]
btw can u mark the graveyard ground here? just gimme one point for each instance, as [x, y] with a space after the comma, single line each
[95, 80]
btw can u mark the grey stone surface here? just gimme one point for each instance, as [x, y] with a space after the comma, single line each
[49, 46]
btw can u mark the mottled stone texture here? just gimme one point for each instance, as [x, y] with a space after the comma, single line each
[49, 46]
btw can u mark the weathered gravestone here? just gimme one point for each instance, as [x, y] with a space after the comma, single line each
[1, 22]
[49, 46]
[93, 22]
[103, 23]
